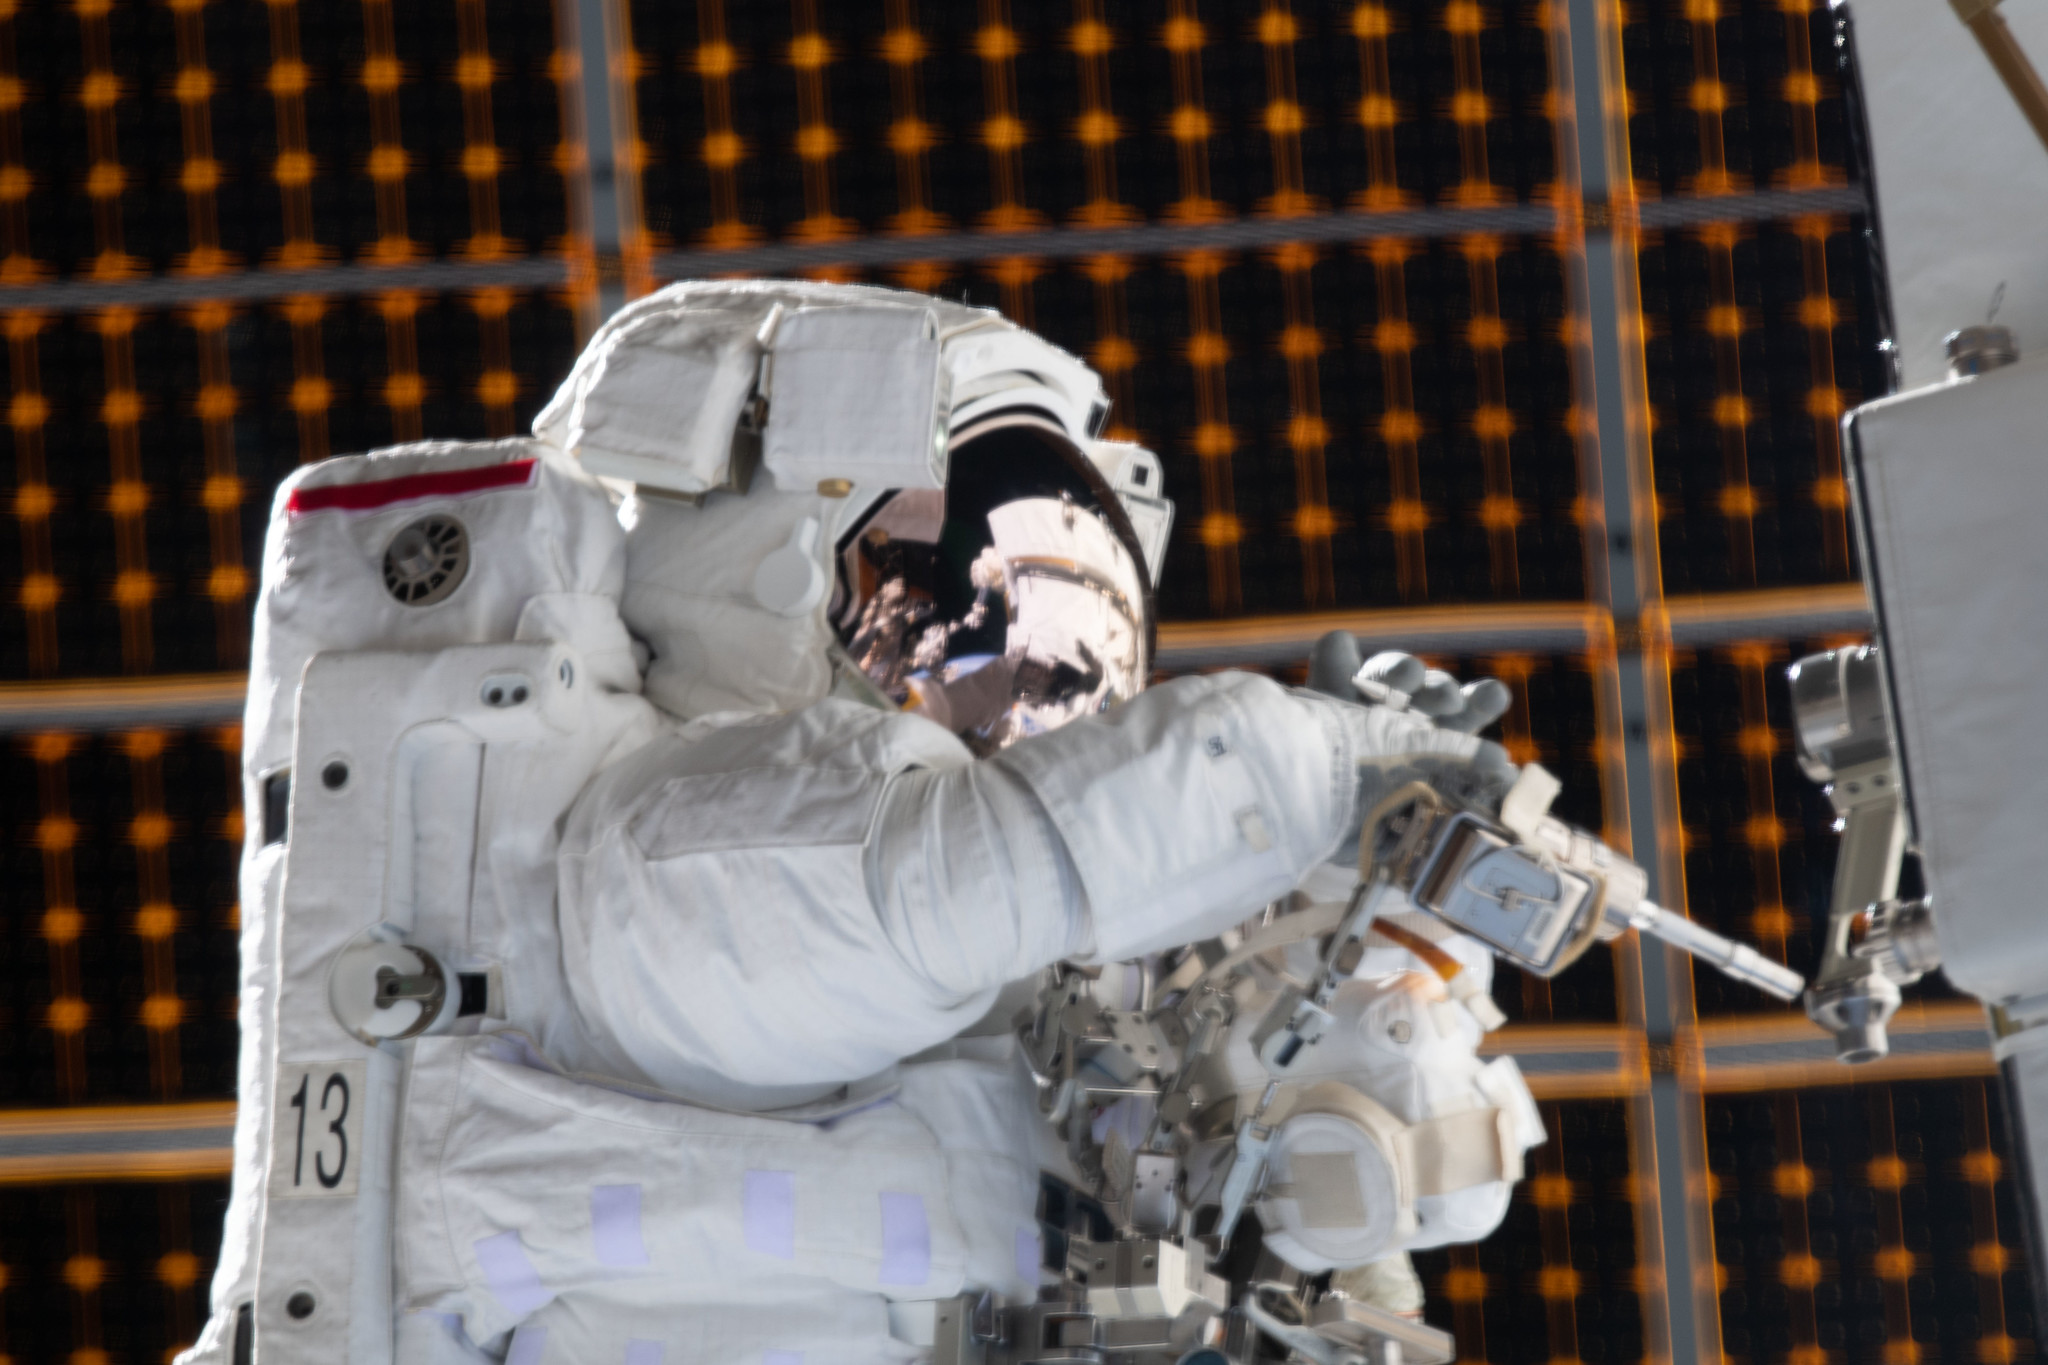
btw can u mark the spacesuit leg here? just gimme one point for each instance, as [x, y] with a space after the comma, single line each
[520, 1189]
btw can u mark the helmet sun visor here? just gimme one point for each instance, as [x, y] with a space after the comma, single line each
[1006, 605]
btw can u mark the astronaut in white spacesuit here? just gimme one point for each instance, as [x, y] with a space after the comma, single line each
[866, 749]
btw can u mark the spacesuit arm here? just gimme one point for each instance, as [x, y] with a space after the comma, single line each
[1164, 821]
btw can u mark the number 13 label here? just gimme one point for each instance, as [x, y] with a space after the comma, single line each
[317, 1141]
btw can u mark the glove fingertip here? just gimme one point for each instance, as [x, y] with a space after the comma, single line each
[1332, 665]
[1486, 701]
[1402, 672]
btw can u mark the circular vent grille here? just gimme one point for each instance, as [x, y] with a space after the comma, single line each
[427, 561]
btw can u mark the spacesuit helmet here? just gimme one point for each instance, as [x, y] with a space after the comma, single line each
[900, 496]
[1009, 602]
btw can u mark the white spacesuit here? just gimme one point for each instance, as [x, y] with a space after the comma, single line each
[734, 1073]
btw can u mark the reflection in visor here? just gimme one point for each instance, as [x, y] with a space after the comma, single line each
[1068, 641]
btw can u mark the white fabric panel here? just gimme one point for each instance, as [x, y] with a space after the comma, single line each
[435, 1339]
[801, 1322]
[856, 395]
[1151, 799]
[1962, 180]
[656, 401]
[718, 938]
[903, 900]
[323, 584]
[689, 593]
[1956, 492]
[750, 299]
[910, 1198]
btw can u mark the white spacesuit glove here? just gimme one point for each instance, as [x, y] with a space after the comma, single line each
[1404, 683]
[1413, 723]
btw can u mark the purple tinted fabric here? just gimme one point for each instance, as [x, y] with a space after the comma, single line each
[906, 1240]
[527, 1344]
[642, 1352]
[511, 1275]
[768, 1210]
[615, 1225]
[1029, 1255]
[782, 1358]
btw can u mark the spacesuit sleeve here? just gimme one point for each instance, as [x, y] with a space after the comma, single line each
[1165, 821]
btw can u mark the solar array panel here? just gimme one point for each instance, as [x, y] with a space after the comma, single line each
[1336, 278]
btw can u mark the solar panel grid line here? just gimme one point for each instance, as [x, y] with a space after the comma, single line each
[497, 384]
[17, 254]
[1179, 232]
[99, 92]
[904, 47]
[1189, 125]
[294, 168]
[1206, 352]
[34, 498]
[1664, 1123]
[816, 144]
[388, 162]
[1493, 421]
[1002, 133]
[476, 75]
[1313, 524]
[1558, 1281]
[1731, 413]
[1989, 1257]
[84, 1272]
[404, 389]
[272, 285]
[128, 497]
[1485, 332]
[222, 493]
[1891, 1259]
[609, 176]
[1003, 136]
[1066, 243]
[199, 177]
[1112, 353]
[1674, 1110]
[1184, 646]
[55, 835]
[1802, 91]
[1799, 1270]
[584, 92]
[1768, 923]
[1400, 427]
[155, 920]
[1276, 32]
[311, 396]
[1817, 312]
[1464, 1285]
[1096, 127]
[87, 704]
[1099, 133]
[722, 149]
